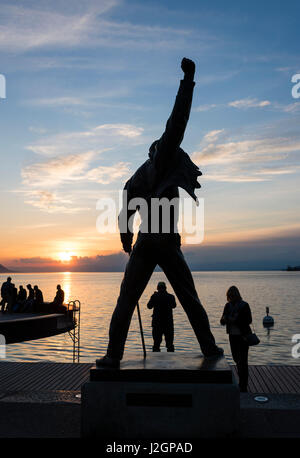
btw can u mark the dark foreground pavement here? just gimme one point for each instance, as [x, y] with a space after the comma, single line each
[57, 415]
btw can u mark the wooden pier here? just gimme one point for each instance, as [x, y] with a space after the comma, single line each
[45, 376]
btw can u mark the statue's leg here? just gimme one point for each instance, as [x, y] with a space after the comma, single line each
[179, 275]
[137, 274]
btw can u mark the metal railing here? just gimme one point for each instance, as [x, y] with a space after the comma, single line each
[74, 308]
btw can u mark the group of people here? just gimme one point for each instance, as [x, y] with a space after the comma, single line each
[236, 316]
[29, 300]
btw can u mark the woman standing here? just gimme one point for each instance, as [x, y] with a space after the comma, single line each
[237, 318]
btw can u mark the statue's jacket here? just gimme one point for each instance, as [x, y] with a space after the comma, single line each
[167, 168]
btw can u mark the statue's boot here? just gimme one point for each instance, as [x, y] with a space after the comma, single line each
[217, 353]
[106, 361]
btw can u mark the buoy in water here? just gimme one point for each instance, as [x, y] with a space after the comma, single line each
[268, 320]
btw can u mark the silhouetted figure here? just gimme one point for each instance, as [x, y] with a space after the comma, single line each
[57, 304]
[21, 300]
[28, 307]
[6, 294]
[167, 168]
[38, 300]
[22, 295]
[14, 298]
[30, 293]
[60, 296]
[162, 304]
[237, 318]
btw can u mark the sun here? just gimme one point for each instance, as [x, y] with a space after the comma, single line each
[65, 256]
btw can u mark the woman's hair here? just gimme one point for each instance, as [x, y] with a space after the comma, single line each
[233, 294]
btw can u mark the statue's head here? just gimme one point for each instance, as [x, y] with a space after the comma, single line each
[153, 148]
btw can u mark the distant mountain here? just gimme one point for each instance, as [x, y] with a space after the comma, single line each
[4, 270]
[296, 268]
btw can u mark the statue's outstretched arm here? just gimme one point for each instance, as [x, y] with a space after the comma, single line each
[165, 149]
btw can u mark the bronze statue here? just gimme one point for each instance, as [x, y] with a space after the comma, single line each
[167, 168]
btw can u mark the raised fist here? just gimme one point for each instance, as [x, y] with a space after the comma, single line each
[188, 66]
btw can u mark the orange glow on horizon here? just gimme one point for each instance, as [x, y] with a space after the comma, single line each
[65, 256]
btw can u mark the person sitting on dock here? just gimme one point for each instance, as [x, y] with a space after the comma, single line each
[6, 294]
[57, 304]
[14, 299]
[21, 300]
[38, 299]
[30, 299]
[162, 304]
[60, 296]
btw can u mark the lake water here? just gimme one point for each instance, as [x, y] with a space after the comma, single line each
[98, 293]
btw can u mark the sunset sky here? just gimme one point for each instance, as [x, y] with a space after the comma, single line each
[91, 84]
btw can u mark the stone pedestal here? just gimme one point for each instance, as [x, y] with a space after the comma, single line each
[166, 396]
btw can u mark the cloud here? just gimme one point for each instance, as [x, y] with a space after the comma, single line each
[115, 262]
[246, 151]
[215, 77]
[58, 170]
[290, 70]
[232, 178]
[94, 99]
[96, 139]
[28, 28]
[234, 175]
[51, 202]
[24, 29]
[268, 249]
[66, 169]
[247, 160]
[108, 174]
[37, 130]
[239, 104]
[74, 158]
[278, 171]
[270, 252]
[206, 107]
[213, 135]
[291, 108]
[249, 103]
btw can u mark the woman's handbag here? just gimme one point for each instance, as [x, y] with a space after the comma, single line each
[251, 339]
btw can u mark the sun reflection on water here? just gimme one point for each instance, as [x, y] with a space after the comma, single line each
[66, 286]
